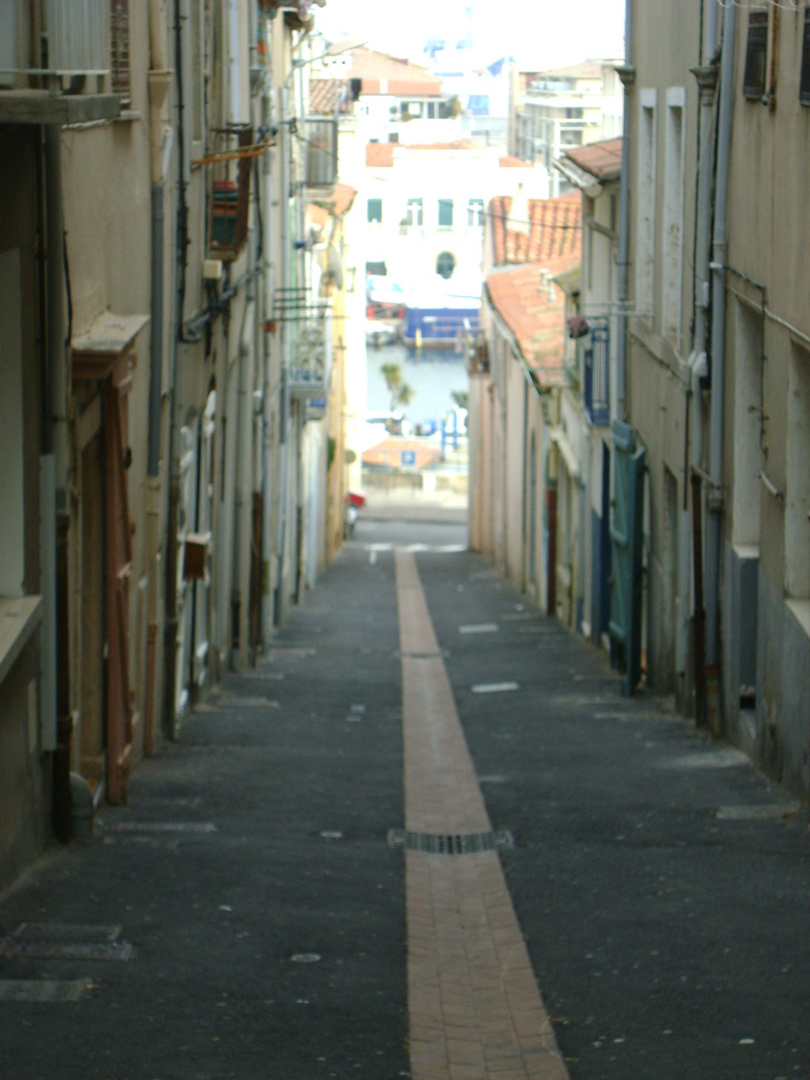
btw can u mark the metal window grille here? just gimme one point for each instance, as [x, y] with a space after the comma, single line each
[756, 53]
[804, 84]
[321, 136]
[119, 48]
[597, 377]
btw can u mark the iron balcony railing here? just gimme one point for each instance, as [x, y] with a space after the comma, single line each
[308, 330]
[75, 44]
[597, 376]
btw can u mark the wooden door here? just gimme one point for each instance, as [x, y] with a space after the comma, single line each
[118, 567]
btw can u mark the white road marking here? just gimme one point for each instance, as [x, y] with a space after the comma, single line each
[495, 687]
[479, 628]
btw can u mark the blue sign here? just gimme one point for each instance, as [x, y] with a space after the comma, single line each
[408, 457]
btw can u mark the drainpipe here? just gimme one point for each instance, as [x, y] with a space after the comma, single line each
[627, 73]
[159, 83]
[706, 75]
[268, 397]
[56, 526]
[718, 339]
[285, 420]
[244, 485]
[181, 241]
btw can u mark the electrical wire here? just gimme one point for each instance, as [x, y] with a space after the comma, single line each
[484, 213]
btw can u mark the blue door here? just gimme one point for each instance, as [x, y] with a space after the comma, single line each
[626, 539]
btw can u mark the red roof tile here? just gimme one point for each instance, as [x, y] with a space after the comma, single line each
[380, 154]
[342, 199]
[554, 228]
[339, 203]
[459, 144]
[402, 77]
[537, 320]
[389, 452]
[603, 160]
[325, 95]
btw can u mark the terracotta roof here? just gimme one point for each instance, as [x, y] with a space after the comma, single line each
[402, 87]
[510, 162]
[325, 95]
[389, 452]
[538, 323]
[402, 77]
[603, 160]
[342, 199]
[459, 144]
[554, 229]
[339, 203]
[380, 154]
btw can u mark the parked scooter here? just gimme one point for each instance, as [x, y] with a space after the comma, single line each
[355, 501]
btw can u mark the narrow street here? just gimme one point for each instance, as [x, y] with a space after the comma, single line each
[427, 837]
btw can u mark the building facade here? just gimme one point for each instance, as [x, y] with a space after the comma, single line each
[554, 111]
[167, 348]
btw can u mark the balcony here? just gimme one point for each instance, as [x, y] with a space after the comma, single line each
[230, 192]
[308, 332]
[66, 75]
[596, 397]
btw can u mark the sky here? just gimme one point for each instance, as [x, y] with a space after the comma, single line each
[540, 34]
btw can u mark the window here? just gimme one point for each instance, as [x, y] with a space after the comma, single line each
[445, 264]
[756, 53]
[645, 236]
[374, 208]
[445, 212]
[673, 215]
[414, 215]
[475, 212]
[119, 48]
[804, 84]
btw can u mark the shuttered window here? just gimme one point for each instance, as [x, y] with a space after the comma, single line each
[119, 49]
[756, 55]
[804, 85]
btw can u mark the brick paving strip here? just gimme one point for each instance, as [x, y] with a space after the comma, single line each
[475, 1010]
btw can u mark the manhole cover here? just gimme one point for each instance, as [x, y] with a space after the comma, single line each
[451, 843]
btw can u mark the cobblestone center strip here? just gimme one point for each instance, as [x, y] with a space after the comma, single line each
[475, 1010]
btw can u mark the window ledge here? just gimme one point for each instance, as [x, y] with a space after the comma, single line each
[19, 618]
[801, 613]
[128, 116]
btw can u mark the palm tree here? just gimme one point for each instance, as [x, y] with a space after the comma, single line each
[401, 392]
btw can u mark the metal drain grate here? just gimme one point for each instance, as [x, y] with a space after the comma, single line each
[59, 941]
[451, 843]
